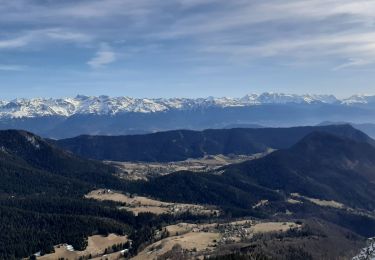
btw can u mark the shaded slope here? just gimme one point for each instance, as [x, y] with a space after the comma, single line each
[183, 144]
[17, 177]
[32, 151]
[41, 197]
[319, 166]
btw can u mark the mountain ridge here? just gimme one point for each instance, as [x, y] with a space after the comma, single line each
[105, 105]
[180, 145]
[32, 151]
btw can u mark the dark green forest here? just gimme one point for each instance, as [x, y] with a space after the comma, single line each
[42, 192]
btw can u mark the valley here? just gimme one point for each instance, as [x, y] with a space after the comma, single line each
[145, 170]
[305, 198]
[187, 130]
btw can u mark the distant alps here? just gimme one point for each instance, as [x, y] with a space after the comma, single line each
[105, 105]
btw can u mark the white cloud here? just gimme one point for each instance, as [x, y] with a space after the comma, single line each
[65, 35]
[357, 48]
[11, 67]
[322, 29]
[353, 63]
[43, 36]
[103, 56]
[14, 42]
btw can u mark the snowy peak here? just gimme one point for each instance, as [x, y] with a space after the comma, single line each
[359, 99]
[105, 105]
[280, 98]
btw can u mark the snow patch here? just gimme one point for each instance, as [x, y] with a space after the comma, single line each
[367, 253]
[33, 141]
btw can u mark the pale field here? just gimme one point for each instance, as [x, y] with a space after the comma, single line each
[252, 225]
[323, 203]
[96, 246]
[273, 227]
[293, 201]
[147, 209]
[327, 203]
[138, 204]
[199, 241]
[238, 231]
[119, 197]
[203, 238]
[260, 204]
[243, 222]
[112, 256]
[180, 228]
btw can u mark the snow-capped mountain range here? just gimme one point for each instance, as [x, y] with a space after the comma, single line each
[104, 105]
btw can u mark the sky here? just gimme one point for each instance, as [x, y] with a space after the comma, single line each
[186, 48]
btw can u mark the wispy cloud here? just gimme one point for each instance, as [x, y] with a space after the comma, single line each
[60, 34]
[11, 67]
[325, 44]
[14, 42]
[42, 36]
[353, 63]
[104, 56]
[239, 29]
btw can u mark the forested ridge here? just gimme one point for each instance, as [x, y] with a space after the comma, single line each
[41, 197]
[180, 145]
[42, 200]
[42, 191]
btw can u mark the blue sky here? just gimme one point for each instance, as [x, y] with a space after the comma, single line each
[186, 48]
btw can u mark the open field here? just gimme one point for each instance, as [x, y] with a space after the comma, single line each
[293, 201]
[323, 203]
[96, 247]
[102, 194]
[192, 241]
[138, 204]
[273, 227]
[197, 240]
[151, 209]
[180, 228]
[142, 170]
[245, 229]
[112, 256]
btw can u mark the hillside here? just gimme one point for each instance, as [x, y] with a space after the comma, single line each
[41, 192]
[42, 201]
[183, 144]
[37, 153]
[43, 187]
[321, 166]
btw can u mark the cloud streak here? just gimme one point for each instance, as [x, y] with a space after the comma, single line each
[42, 36]
[103, 57]
[11, 67]
[333, 30]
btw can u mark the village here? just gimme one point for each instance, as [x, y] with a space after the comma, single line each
[209, 163]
